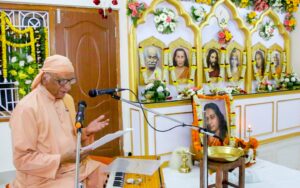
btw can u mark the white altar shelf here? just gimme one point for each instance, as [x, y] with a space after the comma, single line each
[261, 175]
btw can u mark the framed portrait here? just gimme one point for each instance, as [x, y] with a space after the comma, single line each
[150, 61]
[213, 62]
[260, 59]
[213, 112]
[181, 59]
[180, 62]
[276, 59]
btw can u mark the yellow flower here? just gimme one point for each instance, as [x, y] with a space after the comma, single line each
[13, 72]
[252, 15]
[22, 91]
[30, 70]
[22, 75]
[227, 35]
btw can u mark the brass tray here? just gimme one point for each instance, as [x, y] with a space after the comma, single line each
[224, 153]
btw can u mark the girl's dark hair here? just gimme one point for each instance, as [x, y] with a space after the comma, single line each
[262, 59]
[186, 61]
[216, 65]
[222, 121]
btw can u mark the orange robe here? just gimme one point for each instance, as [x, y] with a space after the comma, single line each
[42, 130]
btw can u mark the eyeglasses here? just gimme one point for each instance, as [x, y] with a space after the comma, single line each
[63, 82]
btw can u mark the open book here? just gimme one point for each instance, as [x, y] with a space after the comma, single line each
[107, 138]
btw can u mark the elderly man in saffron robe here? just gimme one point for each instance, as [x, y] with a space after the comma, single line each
[44, 137]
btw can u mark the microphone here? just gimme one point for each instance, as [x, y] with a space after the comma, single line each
[96, 92]
[80, 114]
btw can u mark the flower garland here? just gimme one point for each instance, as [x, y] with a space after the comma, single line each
[224, 36]
[193, 68]
[266, 31]
[251, 18]
[135, 10]
[289, 22]
[165, 20]
[167, 56]
[3, 39]
[243, 71]
[198, 14]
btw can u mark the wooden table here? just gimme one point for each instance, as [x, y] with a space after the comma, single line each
[222, 169]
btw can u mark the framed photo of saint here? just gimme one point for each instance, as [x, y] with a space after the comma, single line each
[216, 117]
[181, 64]
[213, 62]
[152, 62]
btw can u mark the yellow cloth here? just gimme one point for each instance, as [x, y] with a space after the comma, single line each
[53, 64]
[43, 130]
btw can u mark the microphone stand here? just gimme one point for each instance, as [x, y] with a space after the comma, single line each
[199, 129]
[78, 146]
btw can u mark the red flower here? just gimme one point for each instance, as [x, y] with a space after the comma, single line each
[221, 35]
[222, 41]
[286, 22]
[96, 2]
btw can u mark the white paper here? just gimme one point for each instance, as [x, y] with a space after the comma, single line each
[133, 166]
[105, 139]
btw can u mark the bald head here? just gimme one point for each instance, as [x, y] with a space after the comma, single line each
[152, 57]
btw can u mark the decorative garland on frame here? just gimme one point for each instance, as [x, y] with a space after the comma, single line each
[166, 65]
[193, 68]
[266, 72]
[4, 21]
[197, 138]
[243, 71]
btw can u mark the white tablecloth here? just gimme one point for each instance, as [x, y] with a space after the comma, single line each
[263, 174]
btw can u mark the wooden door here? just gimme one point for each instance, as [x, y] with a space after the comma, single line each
[91, 44]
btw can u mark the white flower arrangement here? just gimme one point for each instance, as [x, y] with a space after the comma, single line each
[266, 31]
[165, 20]
[198, 14]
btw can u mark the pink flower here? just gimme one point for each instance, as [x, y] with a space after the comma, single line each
[132, 6]
[134, 13]
[168, 20]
